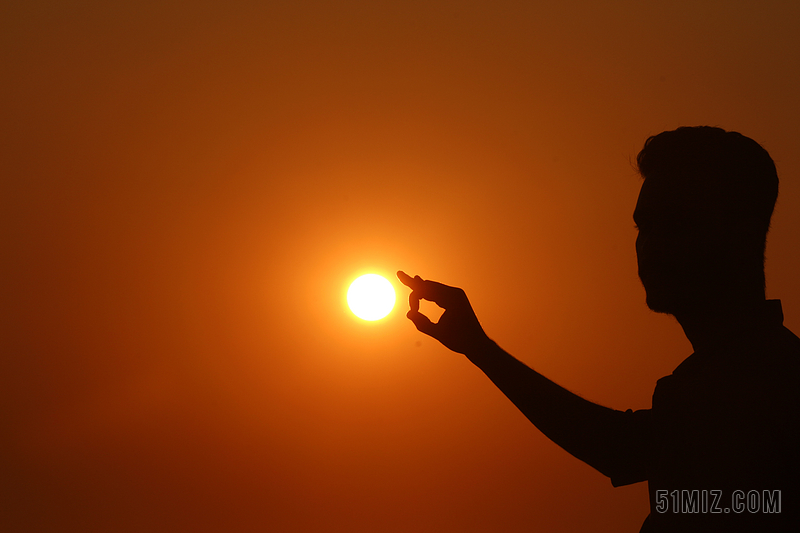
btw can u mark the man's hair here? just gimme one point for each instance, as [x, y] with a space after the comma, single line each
[724, 167]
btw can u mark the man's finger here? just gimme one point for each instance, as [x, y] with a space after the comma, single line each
[413, 301]
[443, 295]
[407, 280]
[422, 323]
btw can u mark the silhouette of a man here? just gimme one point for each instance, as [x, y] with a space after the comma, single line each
[720, 446]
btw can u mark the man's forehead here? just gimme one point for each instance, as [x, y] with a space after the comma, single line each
[666, 199]
[662, 190]
[653, 196]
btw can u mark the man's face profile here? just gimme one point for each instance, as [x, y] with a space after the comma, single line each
[675, 247]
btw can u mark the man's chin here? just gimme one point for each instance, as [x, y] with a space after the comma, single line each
[661, 304]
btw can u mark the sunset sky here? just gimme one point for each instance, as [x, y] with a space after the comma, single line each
[187, 188]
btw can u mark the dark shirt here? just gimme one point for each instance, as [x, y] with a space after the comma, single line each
[723, 433]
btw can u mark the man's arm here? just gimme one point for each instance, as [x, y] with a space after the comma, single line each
[610, 441]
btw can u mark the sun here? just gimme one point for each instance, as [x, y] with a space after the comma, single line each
[371, 297]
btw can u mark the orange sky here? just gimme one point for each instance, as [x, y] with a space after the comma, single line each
[187, 188]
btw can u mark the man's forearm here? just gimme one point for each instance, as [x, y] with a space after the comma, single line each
[590, 432]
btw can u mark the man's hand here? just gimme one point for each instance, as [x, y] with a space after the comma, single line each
[458, 327]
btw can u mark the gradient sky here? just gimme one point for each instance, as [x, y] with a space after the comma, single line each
[187, 189]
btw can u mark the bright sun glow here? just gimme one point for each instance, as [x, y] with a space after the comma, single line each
[370, 297]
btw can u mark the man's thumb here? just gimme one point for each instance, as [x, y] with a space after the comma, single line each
[422, 322]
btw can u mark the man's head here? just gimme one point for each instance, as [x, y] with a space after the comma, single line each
[703, 215]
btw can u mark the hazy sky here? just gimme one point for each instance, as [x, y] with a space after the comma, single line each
[187, 189]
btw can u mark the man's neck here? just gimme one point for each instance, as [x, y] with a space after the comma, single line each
[714, 322]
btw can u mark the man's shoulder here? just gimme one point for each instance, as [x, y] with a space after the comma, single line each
[766, 369]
